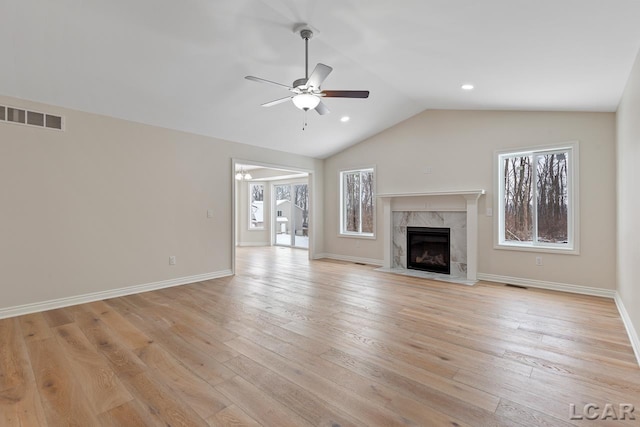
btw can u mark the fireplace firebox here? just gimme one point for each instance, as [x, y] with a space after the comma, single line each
[428, 249]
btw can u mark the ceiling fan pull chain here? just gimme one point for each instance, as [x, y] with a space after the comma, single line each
[304, 120]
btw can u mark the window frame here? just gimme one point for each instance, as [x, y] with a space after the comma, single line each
[573, 205]
[342, 206]
[250, 191]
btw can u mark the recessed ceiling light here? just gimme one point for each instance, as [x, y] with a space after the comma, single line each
[345, 119]
[467, 86]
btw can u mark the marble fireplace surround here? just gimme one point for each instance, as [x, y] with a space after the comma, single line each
[437, 208]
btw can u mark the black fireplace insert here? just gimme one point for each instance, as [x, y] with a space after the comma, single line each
[428, 249]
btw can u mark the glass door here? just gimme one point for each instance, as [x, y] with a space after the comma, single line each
[291, 213]
[282, 215]
[300, 197]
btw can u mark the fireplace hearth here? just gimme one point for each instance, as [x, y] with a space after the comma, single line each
[428, 249]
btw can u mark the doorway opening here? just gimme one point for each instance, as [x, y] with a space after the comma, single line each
[272, 206]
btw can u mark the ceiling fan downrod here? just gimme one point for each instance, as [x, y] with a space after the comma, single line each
[306, 34]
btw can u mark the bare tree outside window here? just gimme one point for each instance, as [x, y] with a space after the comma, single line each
[366, 201]
[282, 192]
[357, 202]
[352, 202]
[301, 200]
[257, 192]
[518, 220]
[552, 198]
[536, 197]
[256, 206]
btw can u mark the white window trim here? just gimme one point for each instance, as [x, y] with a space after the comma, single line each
[250, 184]
[351, 234]
[573, 207]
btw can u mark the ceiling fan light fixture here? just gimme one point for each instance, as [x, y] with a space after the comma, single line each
[306, 101]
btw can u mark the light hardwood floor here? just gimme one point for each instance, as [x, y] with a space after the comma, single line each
[288, 342]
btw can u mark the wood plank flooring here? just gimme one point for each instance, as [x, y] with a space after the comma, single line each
[288, 342]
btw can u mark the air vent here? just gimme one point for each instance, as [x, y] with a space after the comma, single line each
[515, 286]
[35, 119]
[54, 122]
[30, 118]
[15, 115]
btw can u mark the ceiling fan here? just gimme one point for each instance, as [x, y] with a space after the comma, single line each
[307, 94]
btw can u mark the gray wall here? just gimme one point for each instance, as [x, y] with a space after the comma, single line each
[104, 204]
[458, 147]
[628, 267]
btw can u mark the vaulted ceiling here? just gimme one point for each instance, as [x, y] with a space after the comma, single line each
[181, 64]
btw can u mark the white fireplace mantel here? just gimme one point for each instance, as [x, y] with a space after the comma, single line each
[464, 193]
[457, 200]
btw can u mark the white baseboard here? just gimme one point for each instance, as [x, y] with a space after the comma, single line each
[112, 293]
[370, 261]
[252, 244]
[320, 255]
[554, 286]
[631, 331]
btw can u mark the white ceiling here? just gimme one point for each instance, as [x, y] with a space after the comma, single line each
[180, 64]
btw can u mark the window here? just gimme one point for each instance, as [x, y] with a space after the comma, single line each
[256, 206]
[357, 205]
[538, 198]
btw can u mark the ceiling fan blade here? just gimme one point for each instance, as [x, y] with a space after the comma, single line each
[322, 109]
[318, 75]
[259, 80]
[276, 102]
[346, 93]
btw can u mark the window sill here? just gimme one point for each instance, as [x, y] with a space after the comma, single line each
[358, 236]
[538, 249]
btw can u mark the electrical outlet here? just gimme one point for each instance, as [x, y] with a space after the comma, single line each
[209, 213]
[172, 260]
[538, 260]
[489, 212]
